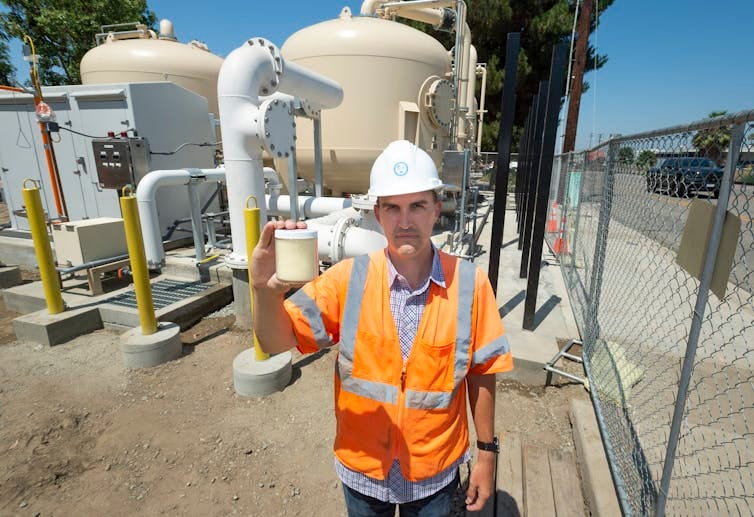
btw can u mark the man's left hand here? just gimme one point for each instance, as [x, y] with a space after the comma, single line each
[481, 481]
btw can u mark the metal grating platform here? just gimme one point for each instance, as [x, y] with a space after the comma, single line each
[164, 293]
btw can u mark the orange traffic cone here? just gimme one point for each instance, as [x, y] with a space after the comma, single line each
[552, 223]
[560, 246]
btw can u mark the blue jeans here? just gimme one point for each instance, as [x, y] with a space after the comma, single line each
[436, 505]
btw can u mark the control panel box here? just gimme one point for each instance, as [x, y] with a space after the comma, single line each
[79, 242]
[120, 161]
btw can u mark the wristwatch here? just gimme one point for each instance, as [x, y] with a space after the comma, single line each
[493, 446]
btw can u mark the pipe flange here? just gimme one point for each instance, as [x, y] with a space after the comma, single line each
[277, 63]
[236, 261]
[308, 109]
[436, 100]
[338, 238]
[277, 128]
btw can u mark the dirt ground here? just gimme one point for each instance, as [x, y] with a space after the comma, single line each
[81, 435]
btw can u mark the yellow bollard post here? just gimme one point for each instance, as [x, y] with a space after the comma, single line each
[138, 260]
[42, 248]
[251, 219]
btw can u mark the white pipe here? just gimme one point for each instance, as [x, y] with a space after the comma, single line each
[471, 91]
[345, 239]
[463, 82]
[482, 99]
[429, 16]
[145, 196]
[253, 70]
[308, 206]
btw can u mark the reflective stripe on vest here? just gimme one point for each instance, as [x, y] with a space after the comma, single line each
[494, 348]
[386, 392]
[313, 316]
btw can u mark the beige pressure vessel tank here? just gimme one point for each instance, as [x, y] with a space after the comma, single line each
[141, 56]
[395, 87]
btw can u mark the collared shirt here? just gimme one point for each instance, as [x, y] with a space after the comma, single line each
[407, 307]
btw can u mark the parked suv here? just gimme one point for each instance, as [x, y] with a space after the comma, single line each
[680, 176]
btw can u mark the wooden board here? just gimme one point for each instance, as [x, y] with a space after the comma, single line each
[566, 486]
[538, 498]
[510, 479]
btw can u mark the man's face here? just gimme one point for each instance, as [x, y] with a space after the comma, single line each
[407, 221]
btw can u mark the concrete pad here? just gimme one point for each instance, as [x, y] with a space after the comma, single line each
[15, 250]
[554, 317]
[9, 276]
[117, 316]
[181, 263]
[597, 482]
[25, 298]
[253, 378]
[140, 351]
[54, 329]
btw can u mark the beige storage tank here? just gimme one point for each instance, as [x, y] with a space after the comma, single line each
[395, 87]
[141, 56]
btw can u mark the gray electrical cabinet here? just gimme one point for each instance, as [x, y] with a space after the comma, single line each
[141, 119]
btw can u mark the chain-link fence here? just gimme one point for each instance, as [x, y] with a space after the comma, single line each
[655, 237]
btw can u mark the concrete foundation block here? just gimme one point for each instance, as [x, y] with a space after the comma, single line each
[140, 351]
[25, 298]
[9, 276]
[54, 329]
[253, 378]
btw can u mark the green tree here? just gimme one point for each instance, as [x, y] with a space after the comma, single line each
[542, 24]
[63, 31]
[646, 159]
[7, 70]
[713, 142]
[625, 155]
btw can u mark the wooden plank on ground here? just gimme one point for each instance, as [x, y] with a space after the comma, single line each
[566, 488]
[538, 499]
[510, 479]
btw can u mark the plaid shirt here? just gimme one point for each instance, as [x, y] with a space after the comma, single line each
[407, 307]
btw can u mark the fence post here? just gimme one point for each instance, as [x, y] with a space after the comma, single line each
[544, 175]
[736, 138]
[533, 173]
[504, 137]
[521, 175]
[600, 249]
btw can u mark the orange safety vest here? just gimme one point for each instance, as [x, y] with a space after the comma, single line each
[385, 410]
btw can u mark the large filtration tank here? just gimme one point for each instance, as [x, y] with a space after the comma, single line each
[395, 87]
[142, 56]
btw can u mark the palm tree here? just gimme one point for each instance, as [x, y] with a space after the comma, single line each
[713, 142]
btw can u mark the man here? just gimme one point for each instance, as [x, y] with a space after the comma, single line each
[416, 329]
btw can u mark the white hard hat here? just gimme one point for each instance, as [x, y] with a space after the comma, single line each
[403, 168]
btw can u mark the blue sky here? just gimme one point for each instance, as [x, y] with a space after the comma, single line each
[670, 61]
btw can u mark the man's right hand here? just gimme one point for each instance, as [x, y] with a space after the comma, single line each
[263, 275]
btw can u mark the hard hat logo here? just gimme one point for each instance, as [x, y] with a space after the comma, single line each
[403, 168]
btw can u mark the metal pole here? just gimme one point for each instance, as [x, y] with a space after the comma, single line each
[544, 174]
[196, 221]
[251, 218]
[293, 185]
[42, 248]
[736, 138]
[533, 168]
[462, 215]
[139, 271]
[504, 137]
[319, 178]
[600, 246]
